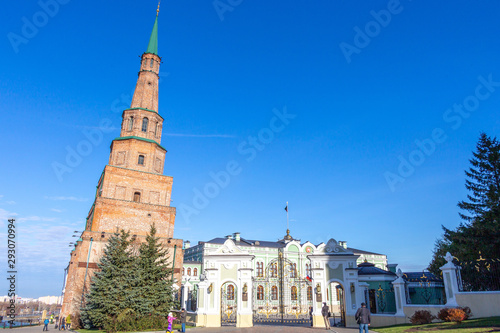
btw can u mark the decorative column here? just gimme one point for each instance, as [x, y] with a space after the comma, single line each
[450, 280]
[399, 293]
[245, 288]
[201, 311]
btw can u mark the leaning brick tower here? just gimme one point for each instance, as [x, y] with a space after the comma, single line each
[132, 192]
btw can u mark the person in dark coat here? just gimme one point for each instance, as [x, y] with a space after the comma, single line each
[324, 313]
[362, 316]
[183, 320]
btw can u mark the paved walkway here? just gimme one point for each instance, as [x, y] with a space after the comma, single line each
[255, 329]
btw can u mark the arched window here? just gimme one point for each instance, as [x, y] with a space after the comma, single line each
[230, 292]
[260, 293]
[156, 128]
[309, 293]
[189, 271]
[294, 293]
[195, 272]
[274, 270]
[137, 197]
[293, 270]
[308, 270]
[151, 63]
[141, 160]
[131, 123]
[274, 293]
[145, 122]
[260, 269]
[183, 271]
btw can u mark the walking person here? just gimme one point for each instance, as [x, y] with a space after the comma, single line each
[46, 324]
[170, 320]
[324, 312]
[362, 317]
[183, 320]
[68, 322]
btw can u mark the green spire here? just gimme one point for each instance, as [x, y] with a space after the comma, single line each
[153, 40]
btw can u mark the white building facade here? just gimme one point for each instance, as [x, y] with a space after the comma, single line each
[235, 281]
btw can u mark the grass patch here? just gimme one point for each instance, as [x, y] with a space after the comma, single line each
[490, 324]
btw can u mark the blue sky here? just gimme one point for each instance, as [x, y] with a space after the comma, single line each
[357, 102]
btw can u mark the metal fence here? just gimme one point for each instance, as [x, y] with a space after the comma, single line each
[479, 275]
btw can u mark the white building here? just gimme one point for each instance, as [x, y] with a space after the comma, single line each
[237, 281]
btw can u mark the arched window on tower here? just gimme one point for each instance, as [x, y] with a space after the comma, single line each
[131, 123]
[156, 128]
[145, 122]
[274, 293]
[151, 63]
[140, 160]
[260, 293]
[137, 196]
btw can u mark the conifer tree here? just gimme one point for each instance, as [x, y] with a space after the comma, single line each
[154, 293]
[479, 233]
[112, 287]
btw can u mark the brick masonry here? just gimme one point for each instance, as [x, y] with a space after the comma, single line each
[132, 192]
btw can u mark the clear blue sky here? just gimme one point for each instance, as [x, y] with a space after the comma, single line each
[221, 79]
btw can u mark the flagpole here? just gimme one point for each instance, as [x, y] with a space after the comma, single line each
[287, 228]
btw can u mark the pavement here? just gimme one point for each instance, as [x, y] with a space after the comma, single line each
[228, 329]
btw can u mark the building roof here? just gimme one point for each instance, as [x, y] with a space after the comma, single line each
[363, 252]
[248, 242]
[153, 40]
[368, 268]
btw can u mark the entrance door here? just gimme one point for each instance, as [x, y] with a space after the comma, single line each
[228, 304]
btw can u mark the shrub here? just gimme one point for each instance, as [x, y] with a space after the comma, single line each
[443, 314]
[467, 312]
[457, 315]
[422, 317]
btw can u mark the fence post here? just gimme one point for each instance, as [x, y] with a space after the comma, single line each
[450, 280]
[399, 293]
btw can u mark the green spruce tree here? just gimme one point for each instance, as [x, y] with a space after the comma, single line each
[479, 233]
[154, 292]
[112, 287]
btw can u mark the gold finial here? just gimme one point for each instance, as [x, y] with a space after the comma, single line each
[158, 9]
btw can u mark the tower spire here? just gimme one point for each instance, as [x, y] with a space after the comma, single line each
[153, 40]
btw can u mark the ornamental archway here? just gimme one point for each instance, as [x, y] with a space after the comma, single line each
[280, 295]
